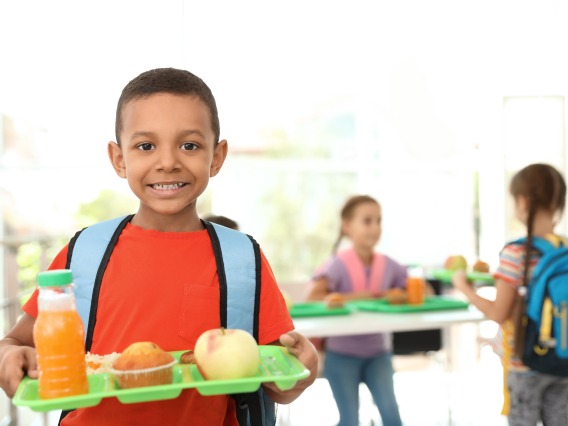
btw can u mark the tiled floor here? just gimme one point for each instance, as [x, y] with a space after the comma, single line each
[428, 395]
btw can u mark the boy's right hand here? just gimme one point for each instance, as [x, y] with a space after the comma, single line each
[16, 362]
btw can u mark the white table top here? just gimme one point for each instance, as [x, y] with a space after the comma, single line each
[372, 322]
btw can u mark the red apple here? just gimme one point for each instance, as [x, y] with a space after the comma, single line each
[223, 354]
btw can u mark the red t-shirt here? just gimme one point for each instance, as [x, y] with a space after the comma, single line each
[163, 287]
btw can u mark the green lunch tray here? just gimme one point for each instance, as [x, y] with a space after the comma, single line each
[276, 365]
[445, 275]
[316, 309]
[431, 303]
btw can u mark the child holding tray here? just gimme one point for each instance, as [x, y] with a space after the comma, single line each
[350, 360]
[161, 282]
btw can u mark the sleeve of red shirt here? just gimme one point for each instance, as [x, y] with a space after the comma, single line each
[274, 318]
[30, 307]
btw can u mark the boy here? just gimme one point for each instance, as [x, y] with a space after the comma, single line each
[161, 281]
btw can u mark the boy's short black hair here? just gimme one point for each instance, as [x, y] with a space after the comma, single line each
[167, 80]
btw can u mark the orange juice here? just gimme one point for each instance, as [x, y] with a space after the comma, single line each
[415, 290]
[59, 340]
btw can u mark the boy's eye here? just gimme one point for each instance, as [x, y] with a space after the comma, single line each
[145, 146]
[189, 146]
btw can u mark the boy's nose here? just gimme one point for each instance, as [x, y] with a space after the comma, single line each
[168, 161]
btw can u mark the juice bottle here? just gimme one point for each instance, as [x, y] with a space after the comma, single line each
[415, 286]
[59, 338]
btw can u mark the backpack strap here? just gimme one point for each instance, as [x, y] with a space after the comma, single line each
[239, 268]
[88, 255]
[543, 245]
[238, 264]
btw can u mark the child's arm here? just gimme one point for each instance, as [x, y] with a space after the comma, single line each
[306, 353]
[319, 291]
[17, 355]
[497, 310]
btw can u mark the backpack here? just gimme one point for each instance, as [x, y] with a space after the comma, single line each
[546, 332]
[237, 256]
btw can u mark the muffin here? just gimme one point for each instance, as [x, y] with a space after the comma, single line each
[481, 266]
[143, 364]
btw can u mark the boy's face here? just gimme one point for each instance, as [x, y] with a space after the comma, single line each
[167, 154]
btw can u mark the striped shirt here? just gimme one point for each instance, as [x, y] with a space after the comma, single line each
[512, 264]
[511, 270]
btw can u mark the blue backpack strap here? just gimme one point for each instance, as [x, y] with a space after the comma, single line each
[88, 254]
[542, 245]
[238, 265]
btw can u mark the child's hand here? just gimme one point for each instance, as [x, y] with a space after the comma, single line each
[17, 361]
[459, 280]
[299, 346]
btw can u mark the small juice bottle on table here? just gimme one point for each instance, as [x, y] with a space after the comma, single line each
[415, 286]
[59, 338]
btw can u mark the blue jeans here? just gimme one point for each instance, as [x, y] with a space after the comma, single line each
[344, 374]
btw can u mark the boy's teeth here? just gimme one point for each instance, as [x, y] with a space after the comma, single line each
[167, 187]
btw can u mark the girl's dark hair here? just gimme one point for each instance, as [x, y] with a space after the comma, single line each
[347, 213]
[167, 80]
[544, 189]
[223, 220]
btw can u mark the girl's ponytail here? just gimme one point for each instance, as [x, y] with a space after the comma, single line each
[337, 242]
[520, 308]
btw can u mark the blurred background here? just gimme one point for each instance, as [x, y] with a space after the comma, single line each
[427, 106]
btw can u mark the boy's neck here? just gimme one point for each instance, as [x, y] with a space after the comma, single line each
[168, 223]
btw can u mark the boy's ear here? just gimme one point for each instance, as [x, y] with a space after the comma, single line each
[219, 155]
[117, 159]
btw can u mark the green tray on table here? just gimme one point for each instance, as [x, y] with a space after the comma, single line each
[317, 309]
[431, 303]
[276, 365]
[445, 275]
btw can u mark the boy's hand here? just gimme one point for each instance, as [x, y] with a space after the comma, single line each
[17, 361]
[304, 350]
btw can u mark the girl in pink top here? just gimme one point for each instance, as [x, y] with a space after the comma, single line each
[360, 273]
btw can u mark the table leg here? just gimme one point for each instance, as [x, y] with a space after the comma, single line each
[448, 368]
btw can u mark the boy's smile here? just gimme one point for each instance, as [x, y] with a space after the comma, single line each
[167, 154]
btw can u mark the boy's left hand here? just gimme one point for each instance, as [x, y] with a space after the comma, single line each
[299, 346]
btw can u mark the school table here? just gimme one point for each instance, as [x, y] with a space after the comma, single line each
[373, 322]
